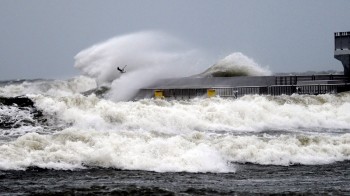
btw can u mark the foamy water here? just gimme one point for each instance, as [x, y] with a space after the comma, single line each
[200, 135]
[250, 113]
[196, 152]
[49, 87]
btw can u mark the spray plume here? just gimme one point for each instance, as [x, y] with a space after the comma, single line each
[235, 64]
[150, 55]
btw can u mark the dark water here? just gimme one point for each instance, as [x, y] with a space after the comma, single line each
[333, 179]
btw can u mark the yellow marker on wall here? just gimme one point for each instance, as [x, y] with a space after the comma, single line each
[158, 94]
[211, 93]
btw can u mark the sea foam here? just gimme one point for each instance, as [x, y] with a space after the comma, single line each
[194, 152]
[57, 88]
[200, 135]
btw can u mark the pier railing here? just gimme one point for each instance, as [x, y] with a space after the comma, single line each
[237, 92]
[276, 90]
[283, 85]
[293, 80]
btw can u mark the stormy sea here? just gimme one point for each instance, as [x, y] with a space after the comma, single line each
[87, 135]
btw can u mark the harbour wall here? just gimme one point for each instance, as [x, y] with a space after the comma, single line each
[235, 87]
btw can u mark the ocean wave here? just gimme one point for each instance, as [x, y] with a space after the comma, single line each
[148, 55]
[235, 64]
[251, 113]
[48, 87]
[194, 152]
[198, 135]
[156, 56]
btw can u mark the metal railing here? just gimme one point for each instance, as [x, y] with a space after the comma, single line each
[236, 92]
[293, 80]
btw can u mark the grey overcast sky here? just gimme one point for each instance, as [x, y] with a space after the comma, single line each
[39, 38]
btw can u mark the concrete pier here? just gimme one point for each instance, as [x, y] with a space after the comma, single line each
[190, 87]
[187, 88]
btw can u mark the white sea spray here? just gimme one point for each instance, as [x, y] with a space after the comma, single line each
[235, 64]
[148, 57]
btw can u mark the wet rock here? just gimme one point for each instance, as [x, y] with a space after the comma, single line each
[20, 111]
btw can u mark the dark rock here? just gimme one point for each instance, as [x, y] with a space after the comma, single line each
[22, 103]
[17, 101]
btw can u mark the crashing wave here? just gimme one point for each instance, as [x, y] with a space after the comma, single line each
[235, 64]
[48, 87]
[149, 56]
